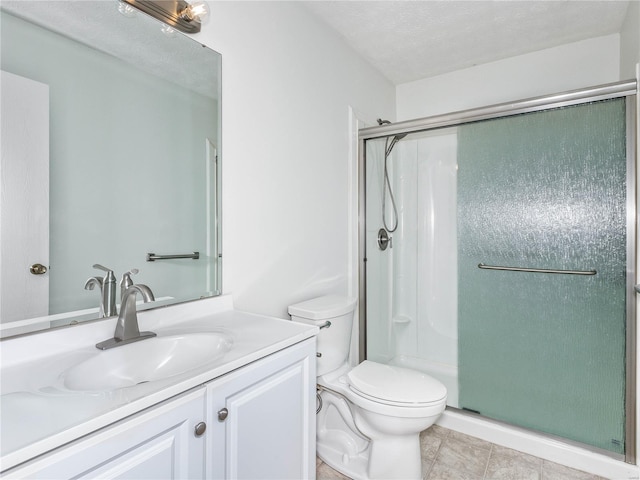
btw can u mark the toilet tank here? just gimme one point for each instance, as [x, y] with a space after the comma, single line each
[334, 341]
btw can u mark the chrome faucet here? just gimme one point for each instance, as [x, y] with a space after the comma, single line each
[108, 291]
[90, 284]
[127, 330]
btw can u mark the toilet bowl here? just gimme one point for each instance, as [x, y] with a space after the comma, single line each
[370, 416]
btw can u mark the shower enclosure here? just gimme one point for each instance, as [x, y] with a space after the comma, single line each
[510, 274]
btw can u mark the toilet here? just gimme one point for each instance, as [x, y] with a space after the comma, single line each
[370, 416]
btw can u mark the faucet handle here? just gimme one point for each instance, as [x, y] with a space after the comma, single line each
[109, 277]
[126, 281]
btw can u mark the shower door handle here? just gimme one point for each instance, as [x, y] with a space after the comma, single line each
[637, 288]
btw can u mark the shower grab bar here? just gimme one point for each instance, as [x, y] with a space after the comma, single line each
[536, 270]
[152, 257]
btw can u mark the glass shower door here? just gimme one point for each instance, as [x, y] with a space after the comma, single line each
[542, 350]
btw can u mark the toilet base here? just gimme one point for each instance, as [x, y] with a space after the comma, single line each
[396, 458]
[362, 454]
[357, 466]
[339, 444]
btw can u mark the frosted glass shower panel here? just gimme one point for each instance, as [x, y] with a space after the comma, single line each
[540, 350]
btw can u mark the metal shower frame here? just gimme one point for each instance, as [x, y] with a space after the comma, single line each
[627, 89]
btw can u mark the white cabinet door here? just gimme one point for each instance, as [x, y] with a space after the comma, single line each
[158, 444]
[263, 418]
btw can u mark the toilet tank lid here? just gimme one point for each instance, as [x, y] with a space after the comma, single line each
[320, 308]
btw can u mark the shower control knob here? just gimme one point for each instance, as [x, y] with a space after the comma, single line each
[223, 414]
[384, 240]
[200, 429]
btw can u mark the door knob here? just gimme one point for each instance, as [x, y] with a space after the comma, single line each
[223, 414]
[38, 269]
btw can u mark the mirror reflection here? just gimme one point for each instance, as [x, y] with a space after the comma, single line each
[110, 152]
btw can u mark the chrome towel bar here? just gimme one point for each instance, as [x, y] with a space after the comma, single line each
[152, 257]
[536, 270]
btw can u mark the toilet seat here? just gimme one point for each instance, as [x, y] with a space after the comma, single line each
[395, 386]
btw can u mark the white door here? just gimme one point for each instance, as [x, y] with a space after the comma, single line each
[24, 197]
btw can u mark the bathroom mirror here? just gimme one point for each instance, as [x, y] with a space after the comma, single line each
[110, 152]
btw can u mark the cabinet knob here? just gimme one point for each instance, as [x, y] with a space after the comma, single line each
[223, 414]
[200, 429]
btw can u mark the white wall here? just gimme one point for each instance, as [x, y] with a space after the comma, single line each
[287, 84]
[568, 67]
[630, 42]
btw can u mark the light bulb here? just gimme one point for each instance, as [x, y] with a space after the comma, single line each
[196, 10]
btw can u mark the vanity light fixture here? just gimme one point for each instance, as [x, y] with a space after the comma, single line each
[179, 14]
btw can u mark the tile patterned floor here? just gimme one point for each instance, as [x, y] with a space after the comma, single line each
[449, 455]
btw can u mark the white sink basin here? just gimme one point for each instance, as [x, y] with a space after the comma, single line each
[145, 361]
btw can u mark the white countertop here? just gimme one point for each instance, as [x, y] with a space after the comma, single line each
[36, 415]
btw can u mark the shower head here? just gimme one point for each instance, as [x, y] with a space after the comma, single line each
[398, 137]
[392, 143]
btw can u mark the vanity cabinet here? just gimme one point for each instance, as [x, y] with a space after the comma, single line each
[255, 422]
[155, 444]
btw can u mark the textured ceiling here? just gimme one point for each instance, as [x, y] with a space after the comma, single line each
[404, 40]
[410, 40]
